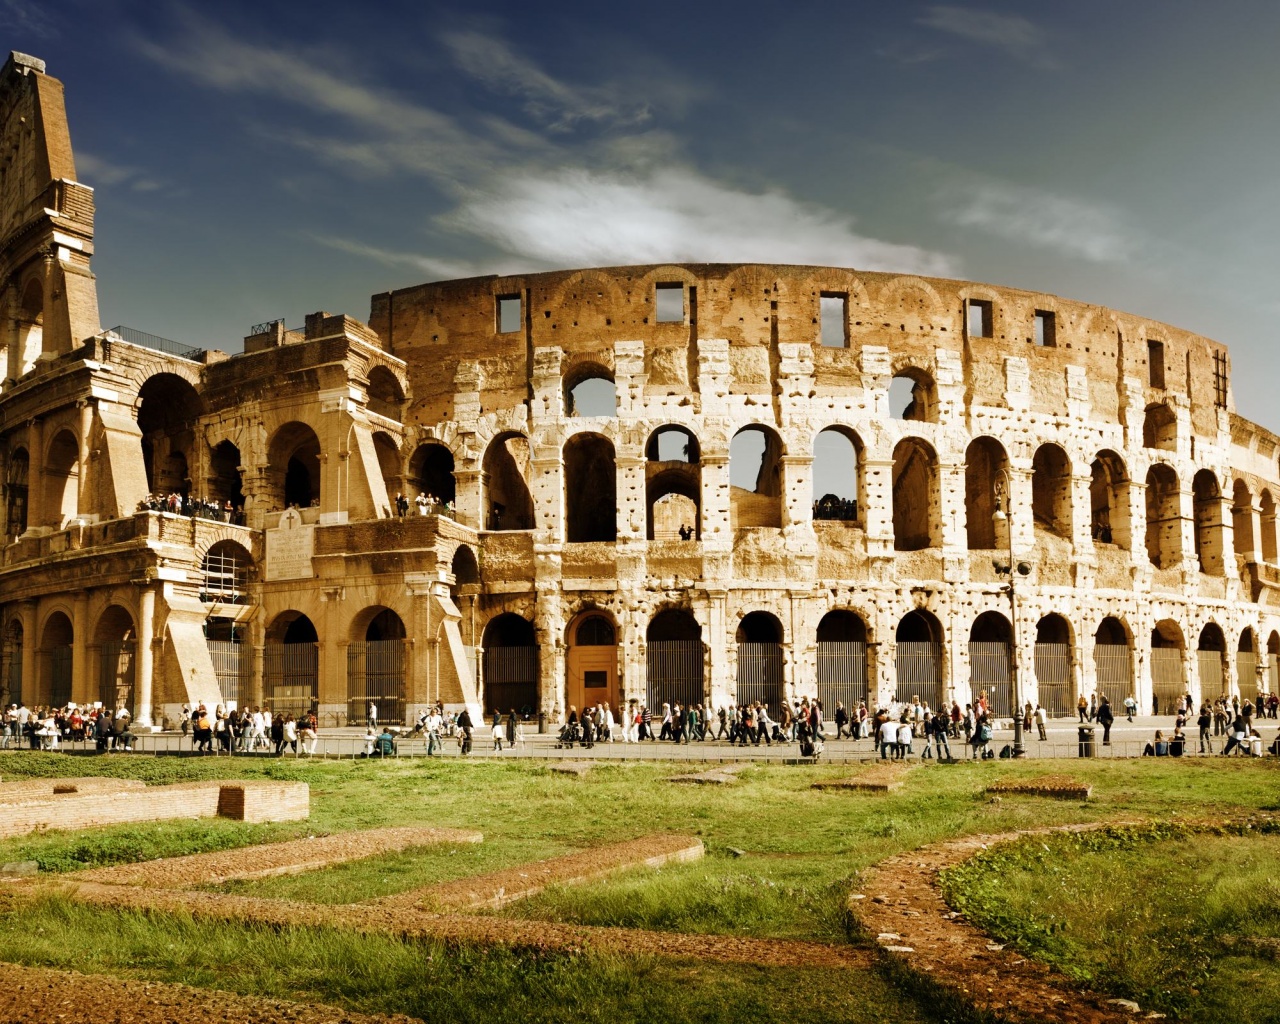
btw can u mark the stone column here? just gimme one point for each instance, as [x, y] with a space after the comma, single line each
[144, 667]
[80, 649]
[30, 643]
[85, 426]
[35, 476]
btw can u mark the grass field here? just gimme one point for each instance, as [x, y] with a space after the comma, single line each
[781, 861]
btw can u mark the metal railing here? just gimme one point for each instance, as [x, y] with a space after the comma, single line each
[760, 675]
[266, 327]
[231, 664]
[1114, 664]
[290, 676]
[918, 665]
[1057, 692]
[842, 674]
[1168, 676]
[989, 671]
[1212, 678]
[375, 675]
[1247, 675]
[511, 679]
[60, 672]
[157, 343]
[116, 674]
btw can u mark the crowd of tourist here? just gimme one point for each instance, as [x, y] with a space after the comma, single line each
[423, 505]
[184, 505]
[44, 728]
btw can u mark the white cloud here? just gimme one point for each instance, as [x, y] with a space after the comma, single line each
[1044, 220]
[557, 104]
[98, 171]
[391, 258]
[23, 17]
[1012, 33]
[578, 217]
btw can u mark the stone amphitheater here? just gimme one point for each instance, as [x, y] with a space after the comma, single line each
[704, 483]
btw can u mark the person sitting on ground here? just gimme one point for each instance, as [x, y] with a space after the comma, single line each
[1158, 748]
[385, 745]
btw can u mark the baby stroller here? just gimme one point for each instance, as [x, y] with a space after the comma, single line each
[807, 747]
[568, 736]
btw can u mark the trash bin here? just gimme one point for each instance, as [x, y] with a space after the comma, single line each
[1087, 748]
[542, 722]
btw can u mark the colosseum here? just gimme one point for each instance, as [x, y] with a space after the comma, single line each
[699, 483]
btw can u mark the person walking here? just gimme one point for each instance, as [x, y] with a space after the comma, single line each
[373, 714]
[1042, 720]
[465, 726]
[1130, 706]
[1205, 722]
[1105, 717]
[1082, 706]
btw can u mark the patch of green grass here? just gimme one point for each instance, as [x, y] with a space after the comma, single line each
[374, 974]
[1151, 913]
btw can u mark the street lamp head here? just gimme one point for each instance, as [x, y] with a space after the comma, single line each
[1024, 568]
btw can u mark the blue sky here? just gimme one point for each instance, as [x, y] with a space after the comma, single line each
[261, 160]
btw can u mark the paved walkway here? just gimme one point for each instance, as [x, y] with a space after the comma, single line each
[1127, 740]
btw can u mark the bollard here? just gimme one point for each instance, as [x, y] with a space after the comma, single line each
[542, 722]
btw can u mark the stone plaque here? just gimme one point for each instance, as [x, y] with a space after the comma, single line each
[290, 547]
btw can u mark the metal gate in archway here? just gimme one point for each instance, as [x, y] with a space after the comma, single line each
[60, 676]
[674, 673]
[1168, 678]
[990, 673]
[918, 664]
[375, 675]
[842, 674]
[760, 675]
[511, 680]
[1055, 688]
[116, 665]
[231, 663]
[290, 675]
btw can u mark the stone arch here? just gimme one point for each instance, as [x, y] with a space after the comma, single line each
[913, 395]
[1211, 656]
[1113, 659]
[592, 293]
[1267, 509]
[226, 569]
[673, 485]
[1160, 428]
[1243, 535]
[591, 659]
[61, 478]
[916, 516]
[464, 567]
[225, 483]
[1054, 659]
[1206, 497]
[431, 473]
[376, 663]
[385, 393]
[293, 466]
[755, 477]
[13, 644]
[116, 638]
[990, 644]
[30, 324]
[759, 637]
[918, 663]
[910, 294]
[1109, 500]
[842, 667]
[838, 455]
[57, 636]
[1051, 490]
[1167, 664]
[169, 407]
[985, 461]
[506, 502]
[291, 664]
[510, 665]
[590, 390]
[590, 489]
[675, 659]
[1164, 517]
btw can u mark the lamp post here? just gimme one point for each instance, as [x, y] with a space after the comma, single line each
[1004, 490]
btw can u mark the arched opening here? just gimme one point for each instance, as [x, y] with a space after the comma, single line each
[225, 572]
[990, 644]
[590, 489]
[918, 659]
[390, 470]
[673, 485]
[225, 485]
[11, 654]
[232, 657]
[1160, 428]
[431, 475]
[589, 390]
[674, 660]
[17, 473]
[293, 467]
[465, 588]
[30, 324]
[912, 396]
[55, 670]
[837, 475]
[1054, 666]
[755, 478]
[291, 664]
[759, 639]
[1211, 655]
[1207, 502]
[168, 408]
[591, 662]
[386, 396]
[915, 496]
[1273, 662]
[842, 660]
[376, 666]
[507, 504]
[1247, 666]
[1109, 500]
[117, 641]
[1113, 660]
[466, 571]
[1243, 534]
[61, 479]
[1051, 490]
[1168, 666]
[1164, 517]
[510, 666]
[984, 460]
[1267, 507]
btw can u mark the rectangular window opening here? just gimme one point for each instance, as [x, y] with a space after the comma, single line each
[979, 318]
[670, 302]
[833, 316]
[1220, 379]
[592, 679]
[1155, 364]
[508, 313]
[1046, 329]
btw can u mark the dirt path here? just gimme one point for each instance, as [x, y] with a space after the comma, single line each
[38, 995]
